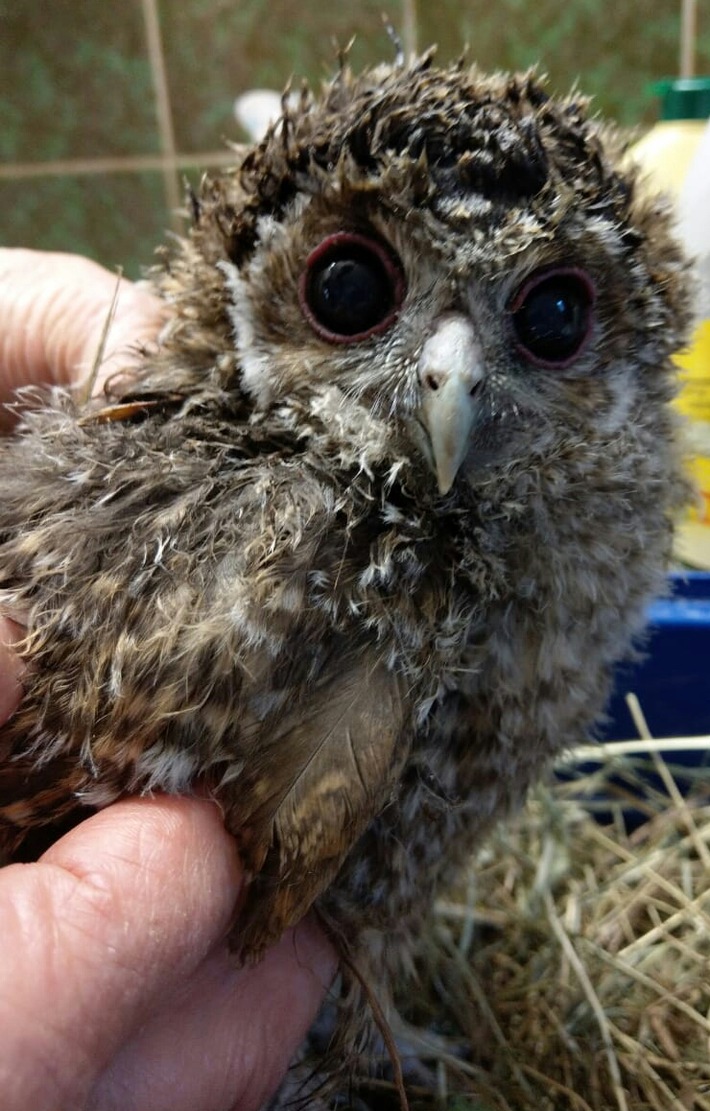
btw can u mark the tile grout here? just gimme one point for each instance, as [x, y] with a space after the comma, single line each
[409, 27]
[163, 106]
[69, 167]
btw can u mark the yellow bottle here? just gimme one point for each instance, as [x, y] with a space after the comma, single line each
[670, 153]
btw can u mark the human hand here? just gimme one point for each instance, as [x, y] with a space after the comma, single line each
[117, 988]
[53, 309]
[118, 993]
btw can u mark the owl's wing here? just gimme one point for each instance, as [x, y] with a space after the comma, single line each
[336, 760]
[159, 655]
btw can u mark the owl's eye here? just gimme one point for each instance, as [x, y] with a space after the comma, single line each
[552, 316]
[351, 288]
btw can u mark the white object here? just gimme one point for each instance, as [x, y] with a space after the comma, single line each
[694, 217]
[256, 110]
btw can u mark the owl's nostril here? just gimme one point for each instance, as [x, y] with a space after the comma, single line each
[434, 381]
[431, 382]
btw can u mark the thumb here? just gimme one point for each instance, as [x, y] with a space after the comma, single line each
[92, 943]
[53, 311]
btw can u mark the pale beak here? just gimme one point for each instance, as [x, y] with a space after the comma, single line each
[450, 371]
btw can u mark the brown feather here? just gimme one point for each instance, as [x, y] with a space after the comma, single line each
[329, 767]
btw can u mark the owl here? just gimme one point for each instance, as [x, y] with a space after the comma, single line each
[356, 550]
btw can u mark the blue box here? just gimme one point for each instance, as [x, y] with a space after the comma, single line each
[672, 680]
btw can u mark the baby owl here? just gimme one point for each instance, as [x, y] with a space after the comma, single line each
[356, 550]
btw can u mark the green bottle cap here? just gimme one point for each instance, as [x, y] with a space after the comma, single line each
[684, 98]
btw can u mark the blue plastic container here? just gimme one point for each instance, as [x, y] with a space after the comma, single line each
[672, 681]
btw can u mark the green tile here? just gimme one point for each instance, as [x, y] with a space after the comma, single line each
[216, 50]
[74, 81]
[614, 51]
[117, 219]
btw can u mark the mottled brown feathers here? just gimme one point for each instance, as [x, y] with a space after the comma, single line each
[242, 569]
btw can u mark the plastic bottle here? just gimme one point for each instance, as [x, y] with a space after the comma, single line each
[676, 154]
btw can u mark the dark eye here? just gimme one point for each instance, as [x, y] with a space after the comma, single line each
[552, 316]
[351, 288]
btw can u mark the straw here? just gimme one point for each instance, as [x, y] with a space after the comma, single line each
[570, 970]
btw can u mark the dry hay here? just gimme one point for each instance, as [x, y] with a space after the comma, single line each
[574, 970]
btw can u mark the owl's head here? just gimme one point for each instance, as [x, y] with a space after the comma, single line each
[461, 263]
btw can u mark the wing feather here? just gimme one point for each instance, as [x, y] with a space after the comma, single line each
[336, 762]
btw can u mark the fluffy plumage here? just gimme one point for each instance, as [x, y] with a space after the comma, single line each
[273, 561]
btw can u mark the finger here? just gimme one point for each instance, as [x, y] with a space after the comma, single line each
[53, 309]
[10, 669]
[97, 932]
[224, 1040]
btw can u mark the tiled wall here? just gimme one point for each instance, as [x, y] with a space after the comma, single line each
[103, 108]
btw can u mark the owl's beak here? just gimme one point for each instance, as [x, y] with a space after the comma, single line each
[450, 372]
